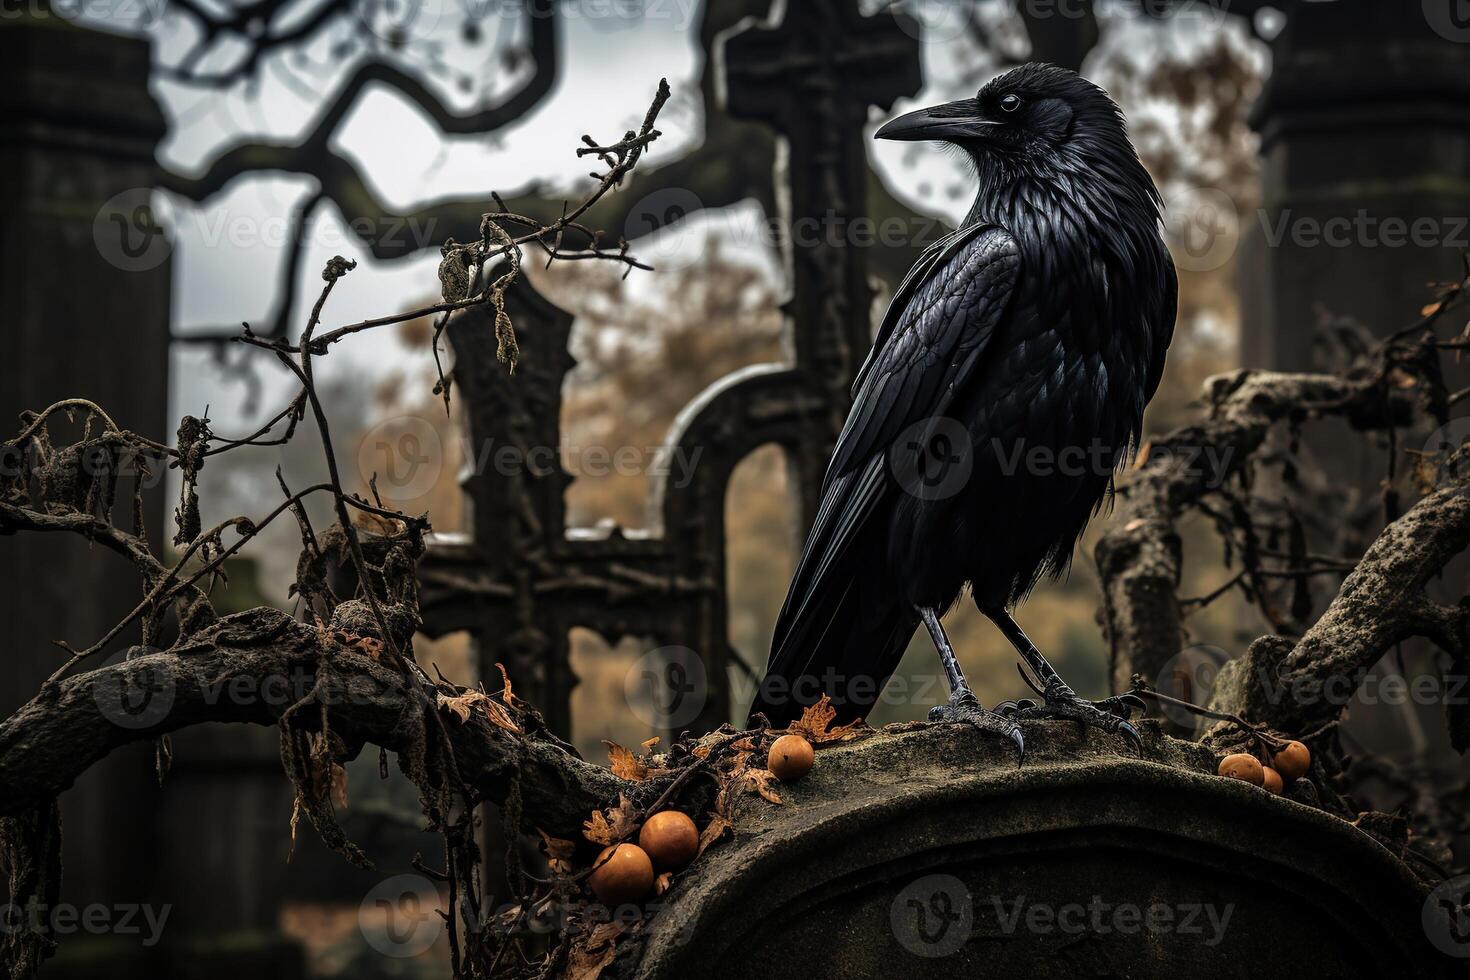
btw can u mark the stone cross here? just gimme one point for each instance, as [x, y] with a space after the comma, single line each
[520, 580]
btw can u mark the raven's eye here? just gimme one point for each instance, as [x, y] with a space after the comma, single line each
[1010, 103]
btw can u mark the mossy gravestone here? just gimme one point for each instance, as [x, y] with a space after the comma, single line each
[926, 851]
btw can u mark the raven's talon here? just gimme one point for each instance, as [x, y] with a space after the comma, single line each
[965, 708]
[1104, 715]
[1122, 705]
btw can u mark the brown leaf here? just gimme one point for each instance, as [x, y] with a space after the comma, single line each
[1431, 309]
[611, 825]
[717, 828]
[506, 695]
[593, 952]
[500, 717]
[625, 764]
[759, 781]
[648, 745]
[663, 883]
[339, 787]
[558, 852]
[462, 705]
[815, 719]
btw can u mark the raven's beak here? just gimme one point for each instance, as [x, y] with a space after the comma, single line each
[951, 121]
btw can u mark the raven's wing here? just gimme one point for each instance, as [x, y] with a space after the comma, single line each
[931, 338]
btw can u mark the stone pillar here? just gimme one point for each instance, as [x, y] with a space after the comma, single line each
[84, 304]
[1365, 142]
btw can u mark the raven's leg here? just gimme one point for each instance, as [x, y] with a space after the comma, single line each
[963, 705]
[1060, 700]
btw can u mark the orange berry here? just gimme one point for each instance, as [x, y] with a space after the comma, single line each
[791, 758]
[1243, 766]
[623, 874]
[670, 838]
[1273, 781]
[1292, 761]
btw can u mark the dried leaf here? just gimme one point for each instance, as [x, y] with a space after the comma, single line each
[648, 745]
[558, 852]
[716, 829]
[463, 705]
[815, 719]
[593, 952]
[611, 825]
[1431, 309]
[759, 781]
[339, 787]
[625, 764]
[663, 883]
[500, 717]
[506, 695]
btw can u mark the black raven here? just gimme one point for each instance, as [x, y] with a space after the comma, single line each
[1006, 385]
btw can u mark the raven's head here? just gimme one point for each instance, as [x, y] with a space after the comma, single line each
[1037, 121]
